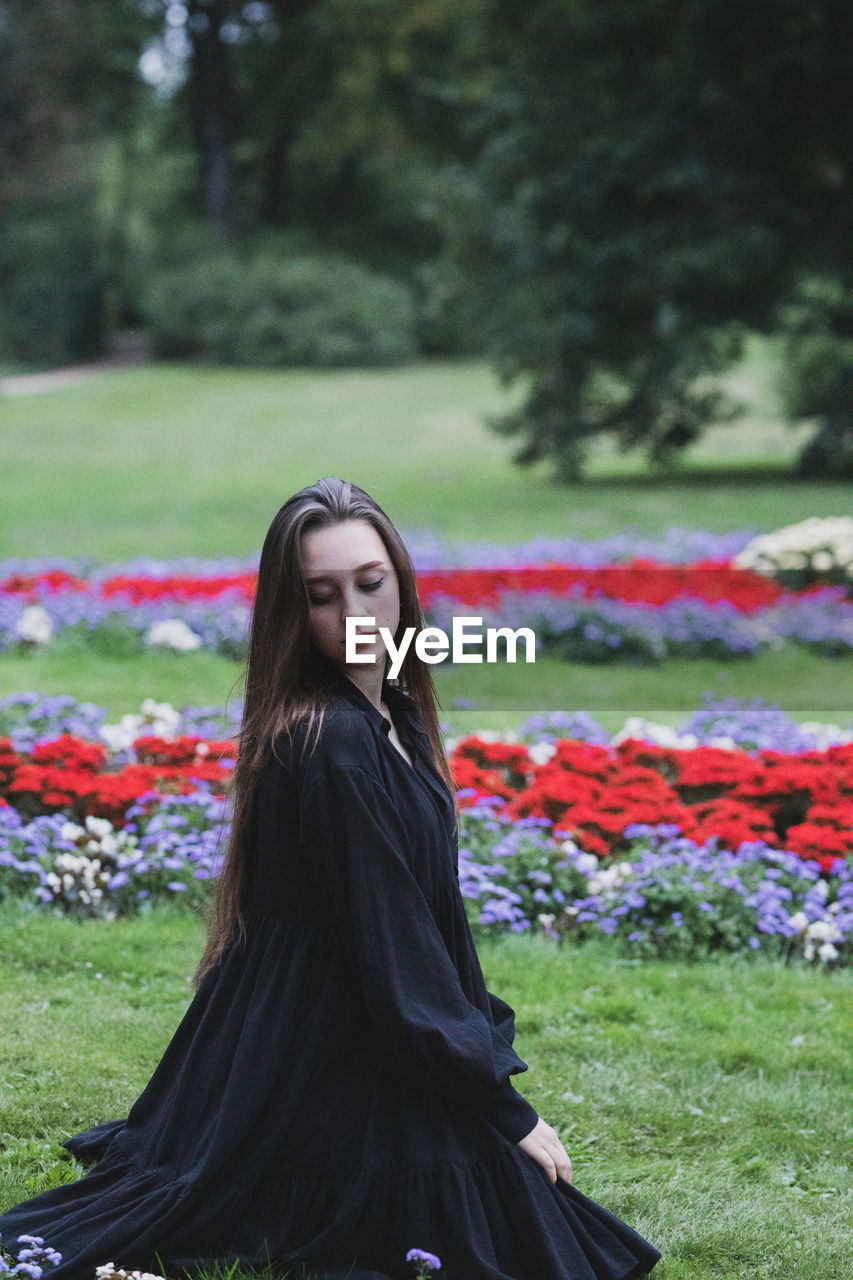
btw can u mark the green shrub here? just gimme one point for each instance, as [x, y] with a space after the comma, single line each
[817, 375]
[273, 311]
[50, 313]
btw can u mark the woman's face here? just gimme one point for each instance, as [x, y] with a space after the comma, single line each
[348, 574]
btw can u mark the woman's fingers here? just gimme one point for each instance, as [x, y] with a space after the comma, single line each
[543, 1146]
[560, 1159]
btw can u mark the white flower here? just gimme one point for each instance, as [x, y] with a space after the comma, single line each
[823, 931]
[70, 831]
[586, 863]
[610, 877]
[827, 735]
[825, 541]
[541, 752]
[120, 737]
[827, 952]
[798, 921]
[161, 713]
[99, 827]
[108, 1270]
[649, 731]
[34, 625]
[172, 633]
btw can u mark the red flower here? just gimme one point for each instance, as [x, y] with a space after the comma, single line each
[467, 774]
[813, 840]
[70, 752]
[182, 751]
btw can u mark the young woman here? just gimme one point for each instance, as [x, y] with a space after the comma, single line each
[339, 1091]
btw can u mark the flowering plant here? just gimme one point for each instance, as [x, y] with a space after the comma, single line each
[29, 1257]
[109, 1271]
[424, 1262]
[622, 600]
[819, 549]
[667, 895]
[170, 851]
[596, 791]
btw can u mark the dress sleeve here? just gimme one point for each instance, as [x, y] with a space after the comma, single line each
[504, 1017]
[352, 831]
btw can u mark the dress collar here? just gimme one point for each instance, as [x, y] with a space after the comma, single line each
[397, 702]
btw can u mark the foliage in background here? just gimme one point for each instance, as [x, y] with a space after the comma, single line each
[607, 195]
[817, 373]
[69, 81]
[273, 310]
[654, 179]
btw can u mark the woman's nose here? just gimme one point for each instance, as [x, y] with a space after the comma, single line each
[352, 606]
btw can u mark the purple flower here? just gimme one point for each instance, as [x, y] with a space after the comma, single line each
[430, 1261]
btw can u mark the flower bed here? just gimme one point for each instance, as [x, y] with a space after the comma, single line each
[737, 772]
[684, 842]
[637, 581]
[668, 895]
[803, 804]
[622, 599]
[815, 550]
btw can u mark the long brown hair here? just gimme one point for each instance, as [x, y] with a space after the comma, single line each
[286, 682]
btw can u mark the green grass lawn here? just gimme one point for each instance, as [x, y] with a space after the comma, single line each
[706, 1104]
[169, 460]
[807, 686]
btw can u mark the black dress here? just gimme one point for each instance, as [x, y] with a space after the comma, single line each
[339, 1089]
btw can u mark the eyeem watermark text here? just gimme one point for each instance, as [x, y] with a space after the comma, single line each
[432, 644]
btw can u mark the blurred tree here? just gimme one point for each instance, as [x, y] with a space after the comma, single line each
[296, 107]
[655, 177]
[212, 109]
[69, 80]
[817, 377]
[322, 119]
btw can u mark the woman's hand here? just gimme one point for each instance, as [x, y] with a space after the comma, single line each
[543, 1145]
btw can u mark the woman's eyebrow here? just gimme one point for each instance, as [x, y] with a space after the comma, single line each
[370, 564]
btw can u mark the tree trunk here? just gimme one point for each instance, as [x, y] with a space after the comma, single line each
[211, 99]
[277, 188]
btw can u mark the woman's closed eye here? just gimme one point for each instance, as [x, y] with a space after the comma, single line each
[316, 600]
